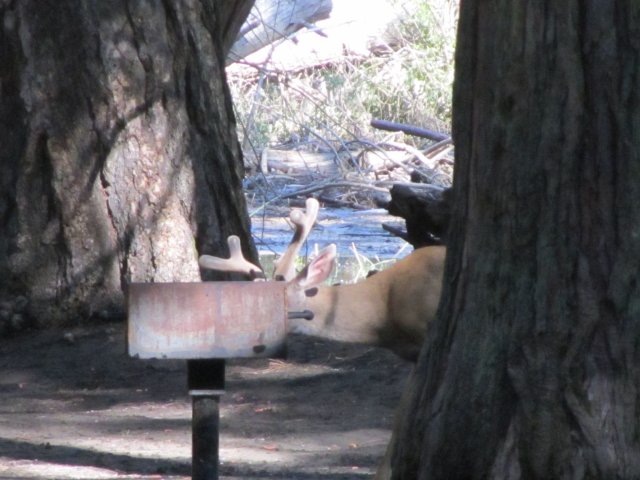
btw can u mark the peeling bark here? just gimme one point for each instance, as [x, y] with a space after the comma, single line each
[120, 161]
[531, 368]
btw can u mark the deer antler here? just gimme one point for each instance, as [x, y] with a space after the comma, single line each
[235, 263]
[285, 267]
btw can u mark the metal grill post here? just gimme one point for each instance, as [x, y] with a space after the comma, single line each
[206, 385]
[205, 323]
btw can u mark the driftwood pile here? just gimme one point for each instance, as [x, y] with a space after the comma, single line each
[409, 182]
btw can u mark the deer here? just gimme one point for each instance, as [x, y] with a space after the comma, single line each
[391, 309]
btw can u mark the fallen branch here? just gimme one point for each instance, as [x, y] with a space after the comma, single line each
[324, 186]
[413, 151]
[333, 202]
[270, 21]
[409, 129]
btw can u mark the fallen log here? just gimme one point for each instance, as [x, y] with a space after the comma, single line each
[270, 21]
[426, 210]
[409, 129]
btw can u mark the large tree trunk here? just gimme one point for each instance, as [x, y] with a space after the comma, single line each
[531, 369]
[119, 158]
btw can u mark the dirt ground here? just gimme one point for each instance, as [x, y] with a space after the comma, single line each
[75, 406]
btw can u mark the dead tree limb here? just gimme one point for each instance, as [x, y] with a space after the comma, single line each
[426, 210]
[272, 20]
[409, 129]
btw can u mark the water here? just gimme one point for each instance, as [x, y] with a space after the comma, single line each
[361, 242]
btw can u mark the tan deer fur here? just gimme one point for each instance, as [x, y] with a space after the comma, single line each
[391, 308]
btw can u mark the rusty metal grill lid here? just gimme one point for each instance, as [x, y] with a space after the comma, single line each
[206, 320]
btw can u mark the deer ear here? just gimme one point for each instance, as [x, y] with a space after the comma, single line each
[319, 269]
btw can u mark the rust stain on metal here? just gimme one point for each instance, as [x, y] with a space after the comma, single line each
[206, 320]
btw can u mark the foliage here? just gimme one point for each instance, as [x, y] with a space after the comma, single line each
[324, 107]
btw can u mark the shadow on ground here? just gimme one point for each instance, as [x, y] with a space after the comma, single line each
[76, 406]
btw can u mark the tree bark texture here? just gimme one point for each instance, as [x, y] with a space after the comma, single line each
[531, 369]
[119, 158]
